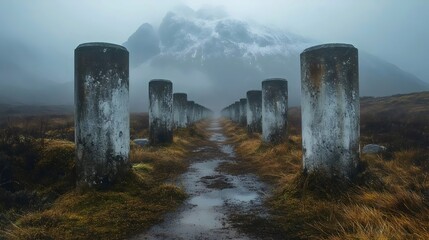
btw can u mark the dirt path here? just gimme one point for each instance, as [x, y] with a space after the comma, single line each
[213, 196]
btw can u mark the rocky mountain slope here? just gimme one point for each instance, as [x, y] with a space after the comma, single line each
[217, 55]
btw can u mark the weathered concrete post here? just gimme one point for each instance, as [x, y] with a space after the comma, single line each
[274, 110]
[233, 112]
[237, 112]
[243, 111]
[190, 112]
[160, 112]
[197, 112]
[330, 109]
[254, 111]
[227, 112]
[102, 133]
[180, 102]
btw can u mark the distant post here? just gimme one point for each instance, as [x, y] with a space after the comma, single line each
[160, 112]
[237, 112]
[274, 110]
[243, 111]
[101, 113]
[180, 101]
[254, 111]
[190, 112]
[330, 109]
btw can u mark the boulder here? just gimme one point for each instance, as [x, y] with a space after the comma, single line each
[141, 141]
[373, 149]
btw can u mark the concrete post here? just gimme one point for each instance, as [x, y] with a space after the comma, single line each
[274, 110]
[330, 109]
[243, 111]
[102, 126]
[254, 111]
[237, 112]
[180, 102]
[197, 112]
[232, 111]
[160, 112]
[190, 112]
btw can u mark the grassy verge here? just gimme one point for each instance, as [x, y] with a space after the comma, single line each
[130, 207]
[389, 200]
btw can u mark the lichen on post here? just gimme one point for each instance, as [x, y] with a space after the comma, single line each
[330, 109]
[102, 127]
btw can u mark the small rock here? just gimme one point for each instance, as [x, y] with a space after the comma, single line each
[373, 148]
[141, 141]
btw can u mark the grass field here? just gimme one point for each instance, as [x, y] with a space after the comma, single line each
[388, 200]
[38, 199]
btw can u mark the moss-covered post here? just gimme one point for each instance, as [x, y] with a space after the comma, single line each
[180, 101]
[330, 109]
[254, 111]
[160, 112]
[274, 110]
[102, 126]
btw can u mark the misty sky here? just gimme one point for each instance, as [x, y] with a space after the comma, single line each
[395, 30]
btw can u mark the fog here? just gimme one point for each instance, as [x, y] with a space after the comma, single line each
[42, 35]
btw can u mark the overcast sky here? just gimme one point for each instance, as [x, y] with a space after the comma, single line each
[395, 30]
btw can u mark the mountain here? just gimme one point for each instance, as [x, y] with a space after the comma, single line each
[216, 59]
[145, 44]
[26, 79]
[206, 53]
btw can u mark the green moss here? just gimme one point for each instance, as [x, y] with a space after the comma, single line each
[143, 167]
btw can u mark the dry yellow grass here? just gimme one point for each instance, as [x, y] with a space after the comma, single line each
[389, 199]
[129, 207]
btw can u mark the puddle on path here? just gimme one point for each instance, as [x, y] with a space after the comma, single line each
[213, 195]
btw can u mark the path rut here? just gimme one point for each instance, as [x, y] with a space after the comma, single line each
[213, 195]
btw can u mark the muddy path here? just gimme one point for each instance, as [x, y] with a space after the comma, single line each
[213, 196]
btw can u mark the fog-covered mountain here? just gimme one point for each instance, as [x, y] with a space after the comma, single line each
[216, 59]
[27, 79]
[206, 53]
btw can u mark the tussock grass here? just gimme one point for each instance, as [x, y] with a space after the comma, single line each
[129, 207]
[389, 199]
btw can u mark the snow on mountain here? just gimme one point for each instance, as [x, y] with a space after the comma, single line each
[193, 36]
[209, 54]
[206, 53]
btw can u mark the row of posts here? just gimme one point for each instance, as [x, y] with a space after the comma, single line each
[263, 111]
[168, 110]
[102, 124]
[330, 110]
